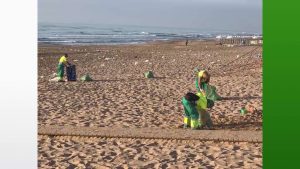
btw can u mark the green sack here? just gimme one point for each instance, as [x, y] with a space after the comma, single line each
[210, 103]
[211, 93]
[86, 78]
[149, 74]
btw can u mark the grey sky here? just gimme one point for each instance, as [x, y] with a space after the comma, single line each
[205, 15]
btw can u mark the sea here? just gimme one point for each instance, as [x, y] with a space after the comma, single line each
[93, 34]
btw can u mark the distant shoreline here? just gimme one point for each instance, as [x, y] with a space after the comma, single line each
[43, 44]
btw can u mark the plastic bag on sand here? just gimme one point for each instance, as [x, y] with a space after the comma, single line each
[149, 74]
[55, 79]
[53, 75]
[86, 78]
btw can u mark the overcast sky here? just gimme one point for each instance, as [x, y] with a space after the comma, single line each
[205, 15]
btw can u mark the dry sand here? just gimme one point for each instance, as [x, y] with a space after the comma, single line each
[121, 96]
[64, 152]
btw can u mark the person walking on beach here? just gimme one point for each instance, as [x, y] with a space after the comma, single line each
[186, 42]
[61, 66]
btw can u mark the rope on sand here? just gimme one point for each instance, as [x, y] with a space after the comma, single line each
[240, 57]
[152, 133]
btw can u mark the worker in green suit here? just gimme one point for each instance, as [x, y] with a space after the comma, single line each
[195, 111]
[61, 66]
[191, 115]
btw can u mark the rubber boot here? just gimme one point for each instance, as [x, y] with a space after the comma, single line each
[195, 124]
[186, 122]
[60, 79]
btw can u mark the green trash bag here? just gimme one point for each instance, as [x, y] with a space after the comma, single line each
[211, 93]
[149, 74]
[86, 78]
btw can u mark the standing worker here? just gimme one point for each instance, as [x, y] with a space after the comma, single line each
[61, 67]
[202, 85]
[202, 81]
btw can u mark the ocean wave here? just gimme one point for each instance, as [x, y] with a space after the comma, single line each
[57, 41]
[86, 34]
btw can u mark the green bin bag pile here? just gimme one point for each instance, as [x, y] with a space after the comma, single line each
[86, 78]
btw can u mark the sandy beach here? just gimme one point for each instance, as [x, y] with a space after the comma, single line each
[120, 96]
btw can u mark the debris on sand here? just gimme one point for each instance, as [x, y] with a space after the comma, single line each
[56, 79]
[53, 75]
[86, 78]
[149, 74]
[250, 108]
[109, 58]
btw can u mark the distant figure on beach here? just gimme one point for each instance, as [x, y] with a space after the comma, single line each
[243, 42]
[186, 42]
[61, 66]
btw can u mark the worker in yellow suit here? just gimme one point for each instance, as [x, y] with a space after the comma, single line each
[61, 66]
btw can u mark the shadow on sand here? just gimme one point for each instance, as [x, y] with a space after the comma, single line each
[129, 79]
[241, 98]
[235, 126]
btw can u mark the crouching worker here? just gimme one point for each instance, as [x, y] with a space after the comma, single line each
[205, 120]
[191, 115]
[61, 66]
